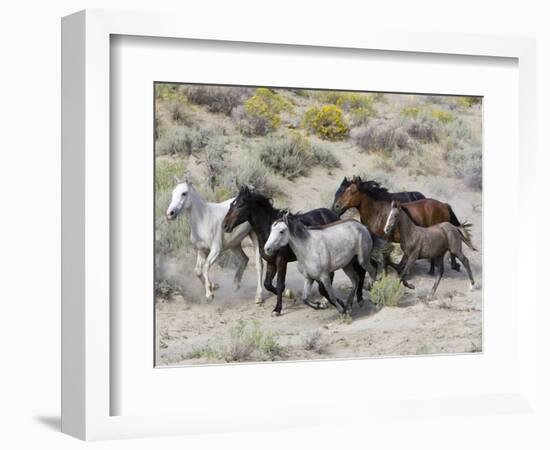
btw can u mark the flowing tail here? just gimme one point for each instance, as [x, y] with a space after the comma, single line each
[463, 228]
[465, 234]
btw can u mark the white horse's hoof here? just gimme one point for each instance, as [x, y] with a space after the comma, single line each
[236, 286]
[275, 314]
[259, 301]
[472, 287]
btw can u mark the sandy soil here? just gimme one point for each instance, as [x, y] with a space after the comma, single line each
[450, 323]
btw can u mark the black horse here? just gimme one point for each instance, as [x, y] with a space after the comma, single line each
[401, 197]
[258, 210]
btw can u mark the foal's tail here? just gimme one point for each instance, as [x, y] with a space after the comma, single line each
[465, 235]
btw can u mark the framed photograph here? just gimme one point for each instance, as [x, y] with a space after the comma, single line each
[252, 219]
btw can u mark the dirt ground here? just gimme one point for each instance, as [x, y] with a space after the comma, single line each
[449, 323]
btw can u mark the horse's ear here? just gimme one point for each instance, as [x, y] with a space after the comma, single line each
[285, 217]
[345, 180]
[177, 179]
[188, 178]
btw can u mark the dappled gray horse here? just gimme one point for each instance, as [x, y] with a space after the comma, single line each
[427, 243]
[208, 238]
[323, 249]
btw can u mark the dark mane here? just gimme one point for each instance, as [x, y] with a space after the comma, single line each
[260, 200]
[297, 227]
[373, 189]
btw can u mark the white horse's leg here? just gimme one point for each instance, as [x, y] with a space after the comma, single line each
[242, 261]
[210, 259]
[200, 261]
[308, 282]
[259, 268]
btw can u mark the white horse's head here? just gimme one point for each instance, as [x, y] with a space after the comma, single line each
[181, 200]
[392, 218]
[278, 237]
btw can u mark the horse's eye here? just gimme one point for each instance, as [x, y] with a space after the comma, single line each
[281, 232]
[183, 194]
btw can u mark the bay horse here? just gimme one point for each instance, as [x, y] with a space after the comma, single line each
[321, 250]
[208, 238]
[256, 209]
[403, 197]
[374, 203]
[427, 242]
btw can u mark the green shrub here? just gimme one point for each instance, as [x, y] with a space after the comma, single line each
[250, 172]
[442, 115]
[182, 140]
[171, 238]
[326, 122]
[220, 99]
[386, 291]
[265, 106]
[246, 342]
[360, 116]
[469, 101]
[410, 112]
[292, 154]
[347, 100]
[381, 135]
[170, 92]
[423, 128]
[214, 159]
[288, 154]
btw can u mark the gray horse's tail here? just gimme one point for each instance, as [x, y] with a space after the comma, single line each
[465, 234]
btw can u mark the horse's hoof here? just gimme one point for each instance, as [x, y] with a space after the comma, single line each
[214, 286]
[236, 286]
[361, 303]
[259, 301]
[472, 287]
[209, 297]
[275, 313]
[289, 294]
[409, 285]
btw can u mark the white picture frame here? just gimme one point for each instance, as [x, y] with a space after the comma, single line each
[87, 355]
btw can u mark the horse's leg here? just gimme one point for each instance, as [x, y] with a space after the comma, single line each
[432, 267]
[352, 274]
[454, 264]
[242, 261]
[410, 261]
[324, 293]
[466, 263]
[308, 282]
[270, 271]
[440, 261]
[335, 301]
[215, 251]
[281, 276]
[259, 267]
[200, 261]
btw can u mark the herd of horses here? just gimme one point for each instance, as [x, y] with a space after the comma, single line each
[320, 241]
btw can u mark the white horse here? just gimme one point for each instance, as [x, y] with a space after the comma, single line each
[208, 238]
[323, 249]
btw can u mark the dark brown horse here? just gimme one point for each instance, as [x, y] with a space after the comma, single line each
[374, 204]
[256, 209]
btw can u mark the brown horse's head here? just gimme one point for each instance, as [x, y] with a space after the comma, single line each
[349, 198]
[239, 211]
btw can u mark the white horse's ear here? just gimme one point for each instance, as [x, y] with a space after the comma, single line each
[177, 180]
[188, 178]
[285, 218]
